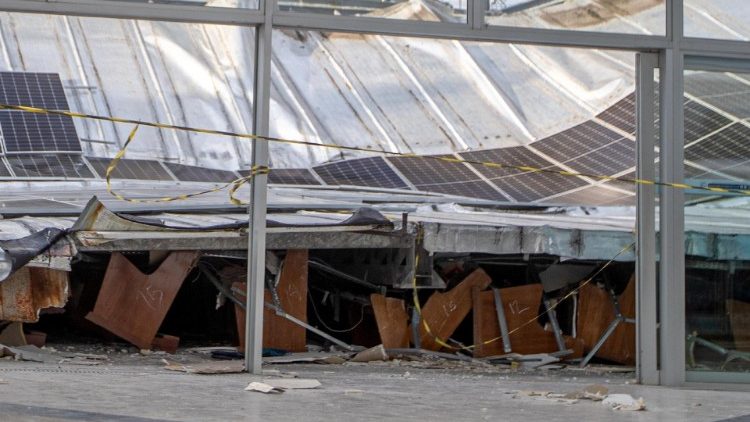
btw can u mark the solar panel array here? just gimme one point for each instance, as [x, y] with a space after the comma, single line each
[717, 135]
[621, 115]
[370, 171]
[131, 169]
[292, 177]
[519, 185]
[187, 173]
[25, 132]
[440, 176]
[49, 166]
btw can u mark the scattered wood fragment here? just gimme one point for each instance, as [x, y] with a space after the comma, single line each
[596, 312]
[739, 318]
[392, 321]
[443, 312]
[278, 332]
[131, 304]
[520, 305]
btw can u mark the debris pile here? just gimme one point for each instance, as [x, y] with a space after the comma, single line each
[595, 393]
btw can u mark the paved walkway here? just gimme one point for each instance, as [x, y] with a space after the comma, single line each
[140, 389]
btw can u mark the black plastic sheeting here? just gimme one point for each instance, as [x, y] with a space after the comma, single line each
[21, 251]
[360, 217]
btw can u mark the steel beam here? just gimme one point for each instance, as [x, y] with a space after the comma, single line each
[256, 260]
[646, 306]
[223, 241]
[130, 10]
[464, 32]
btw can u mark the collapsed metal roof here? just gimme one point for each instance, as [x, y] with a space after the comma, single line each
[357, 90]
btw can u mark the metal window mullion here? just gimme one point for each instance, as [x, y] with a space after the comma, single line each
[646, 309]
[672, 222]
[475, 13]
[463, 32]
[258, 195]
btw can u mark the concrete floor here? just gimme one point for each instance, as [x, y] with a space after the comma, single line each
[137, 388]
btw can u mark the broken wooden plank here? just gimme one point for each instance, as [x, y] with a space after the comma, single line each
[29, 290]
[132, 305]
[278, 332]
[520, 305]
[596, 311]
[390, 315]
[739, 318]
[443, 312]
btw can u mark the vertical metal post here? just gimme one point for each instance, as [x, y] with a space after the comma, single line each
[646, 309]
[256, 258]
[672, 207]
[475, 10]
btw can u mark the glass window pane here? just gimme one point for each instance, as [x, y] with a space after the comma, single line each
[646, 17]
[195, 75]
[552, 108]
[428, 10]
[721, 19]
[717, 232]
[244, 4]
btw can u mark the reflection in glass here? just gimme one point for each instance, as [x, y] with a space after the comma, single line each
[720, 19]
[422, 10]
[646, 17]
[243, 4]
[717, 261]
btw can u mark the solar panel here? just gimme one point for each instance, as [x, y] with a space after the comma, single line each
[200, 174]
[622, 114]
[594, 195]
[628, 186]
[4, 172]
[522, 186]
[608, 160]
[43, 90]
[131, 169]
[705, 84]
[472, 189]
[529, 187]
[444, 177]
[513, 156]
[370, 171]
[292, 177]
[29, 132]
[49, 165]
[700, 121]
[726, 151]
[576, 141]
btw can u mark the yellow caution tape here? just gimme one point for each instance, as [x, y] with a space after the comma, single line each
[233, 185]
[236, 184]
[264, 170]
